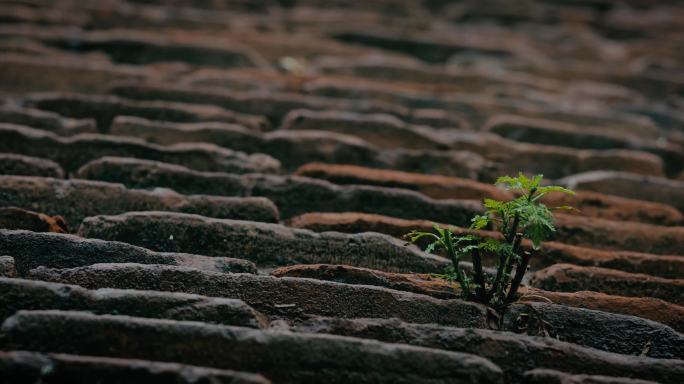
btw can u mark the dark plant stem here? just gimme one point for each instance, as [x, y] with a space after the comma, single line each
[479, 276]
[503, 281]
[461, 280]
[516, 242]
[459, 273]
[519, 273]
[509, 265]
[511, 237]
[514, 228]
[505, 264]
[525, 259]
[499, 272]
[515, 248]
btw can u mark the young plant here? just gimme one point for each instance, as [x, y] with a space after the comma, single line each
[524, 217]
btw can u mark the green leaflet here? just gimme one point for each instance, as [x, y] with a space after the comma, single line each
[521, 182]
[541, 191]
[432, 246]
[479, 222]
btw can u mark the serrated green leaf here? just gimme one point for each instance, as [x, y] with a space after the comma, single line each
[541, 191]
[467, 239]
[439, 229]
[479, 222]
[491, 245]
[415, 235]
[467, 249]
[493, 204]
[534, 183]
[538, 224]
[508, 182]
[556, 188]
[536, 234]
[432, 246]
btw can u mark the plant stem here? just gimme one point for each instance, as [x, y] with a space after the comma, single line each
[461, 280]
[516, 242]
[505, 266]
[519, 273]
[503, 281]
[503, 259]
[509, 265]
[454, 261]
[479, 276]
[499, 272]
[513, 229]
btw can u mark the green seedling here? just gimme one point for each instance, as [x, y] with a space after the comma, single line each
[524, 217]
